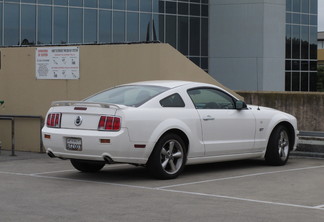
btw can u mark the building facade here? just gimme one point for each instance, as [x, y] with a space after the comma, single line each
[241, 43]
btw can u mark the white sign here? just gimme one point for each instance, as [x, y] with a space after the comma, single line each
[57, 63]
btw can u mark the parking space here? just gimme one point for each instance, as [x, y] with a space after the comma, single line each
[44, 189]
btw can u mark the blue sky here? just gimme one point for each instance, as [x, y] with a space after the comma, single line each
[320, 15]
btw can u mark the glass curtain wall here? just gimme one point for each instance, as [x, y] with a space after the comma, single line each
[301, 45]
[181, 23]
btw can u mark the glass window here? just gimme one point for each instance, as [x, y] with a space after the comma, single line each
[194, 36]
[313, 6]
[313, 42]
[288, 65]
[119, 4]
[90, 26]
[146, 5]
[171, 30]
[204, 36]
[28, 24]
[145, 26]
[105, 4]
[288, 5]
[304, 65]
[161, 28]
[132, 27]
[75, 26]
[288, 18]
[119, 27]
[133, 5]
[11, 24]
[49, 2]
[296, 18]
[204, 63]
[131, 95]
[195, 9]
[28, 1]
[296, 5]
[295, 41]
[304, 81]
[155, 6]
[171, 7]
[90, 3]
[288, 81]
[204, 10]
[75, 2]
[195, 60]
[105, 26]
[313, 20]
[156, 27]
[208, 98]
[174, 100]
[288, 41]
[296, 65]
[60, 2]
[60, 25]
[183, 8]
[313, 65]
[305, 6]
[295, 81]
[305, 19]
[183, 36]
[304, 42]
[44, 25]
[161, 6]
[312, 81]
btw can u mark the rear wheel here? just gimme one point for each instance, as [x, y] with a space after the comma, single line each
[278, 148]
[168, 157]
[87, 166]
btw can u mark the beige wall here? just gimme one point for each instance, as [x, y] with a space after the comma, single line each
[101, 66]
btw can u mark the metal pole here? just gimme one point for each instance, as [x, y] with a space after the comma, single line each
[13, 137]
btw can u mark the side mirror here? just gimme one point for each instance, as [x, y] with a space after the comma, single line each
[239, 105]
[1, 102]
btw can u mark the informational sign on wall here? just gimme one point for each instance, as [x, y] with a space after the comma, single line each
[57, 63]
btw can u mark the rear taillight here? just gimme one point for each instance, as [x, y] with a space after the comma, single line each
[54, 120]
[109, 123]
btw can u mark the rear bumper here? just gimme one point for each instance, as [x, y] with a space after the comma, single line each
[119, 149]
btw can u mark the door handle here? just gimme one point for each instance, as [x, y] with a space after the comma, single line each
[207, 118]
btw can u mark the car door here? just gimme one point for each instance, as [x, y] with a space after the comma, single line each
[226, 130]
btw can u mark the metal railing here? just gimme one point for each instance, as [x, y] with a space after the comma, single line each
[12, 118]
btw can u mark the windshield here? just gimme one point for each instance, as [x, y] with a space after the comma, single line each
[131, 95]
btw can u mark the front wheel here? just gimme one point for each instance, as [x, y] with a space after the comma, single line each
[168, 157]
[87, 166]
[278, 148]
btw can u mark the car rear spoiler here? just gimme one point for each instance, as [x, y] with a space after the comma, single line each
[83, 103]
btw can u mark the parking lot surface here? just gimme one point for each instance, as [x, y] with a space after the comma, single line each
[37, 188]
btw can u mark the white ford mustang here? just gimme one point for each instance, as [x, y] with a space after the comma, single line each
[165, 125]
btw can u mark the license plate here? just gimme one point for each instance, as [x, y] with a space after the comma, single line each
[74, 144]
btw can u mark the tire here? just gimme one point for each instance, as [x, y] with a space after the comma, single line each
[87, 166]
[168, 158]
[278, 148]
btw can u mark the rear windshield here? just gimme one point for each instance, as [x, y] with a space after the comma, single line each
[131, 95]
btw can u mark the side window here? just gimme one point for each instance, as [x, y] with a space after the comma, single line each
[174, 100]
[209, 98]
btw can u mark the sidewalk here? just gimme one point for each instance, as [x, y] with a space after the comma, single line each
[310, 144]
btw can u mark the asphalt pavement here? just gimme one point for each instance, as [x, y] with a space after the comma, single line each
[35, 188]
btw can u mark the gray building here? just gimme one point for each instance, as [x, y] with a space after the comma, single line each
[244, 44]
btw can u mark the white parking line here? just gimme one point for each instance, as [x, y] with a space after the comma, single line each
[321, 207]
[242, 199]
[241, 176]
